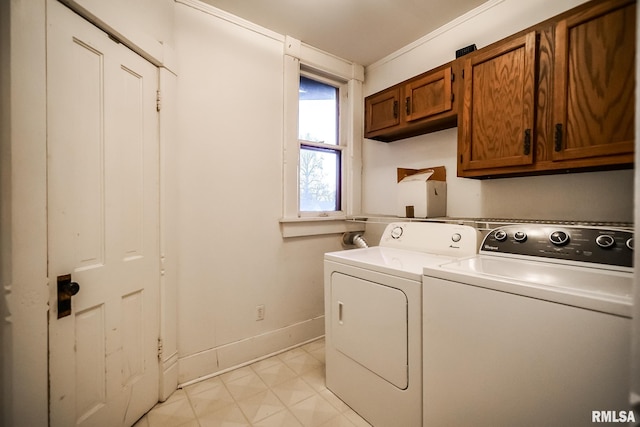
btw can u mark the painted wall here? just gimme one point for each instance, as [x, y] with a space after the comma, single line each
[595, 196]
[23, 224]
[146, 26]
[232, 256]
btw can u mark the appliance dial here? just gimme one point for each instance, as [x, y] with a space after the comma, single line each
[456, 237]
[559, 238]
[500, 235]
[630, 243]
[520, 236]
[605, 241]
[396, 232]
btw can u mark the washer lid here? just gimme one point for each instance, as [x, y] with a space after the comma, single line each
[591, 288]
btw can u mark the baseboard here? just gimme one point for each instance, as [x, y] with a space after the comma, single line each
[168, 377]
[218, 360]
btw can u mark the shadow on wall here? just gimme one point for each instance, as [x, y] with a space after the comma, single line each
[588, 196]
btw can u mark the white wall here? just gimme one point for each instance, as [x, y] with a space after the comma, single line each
[232, 254]
[23, 223]
[146, 26]
[595, 196]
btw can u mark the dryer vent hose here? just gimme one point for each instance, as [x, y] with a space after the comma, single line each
[354, 239]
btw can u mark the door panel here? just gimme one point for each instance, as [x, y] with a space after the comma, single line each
[369, 324]
[103, 209]
[498, 115]
[594, 82]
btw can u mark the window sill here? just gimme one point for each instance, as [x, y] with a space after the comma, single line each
[299, 227]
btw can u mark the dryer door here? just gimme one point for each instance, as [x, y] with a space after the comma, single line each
[369, 325]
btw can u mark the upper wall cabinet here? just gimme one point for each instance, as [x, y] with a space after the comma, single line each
[382, 111]
[594, 82]
[497, 126]
[558, 97]
[425, 103]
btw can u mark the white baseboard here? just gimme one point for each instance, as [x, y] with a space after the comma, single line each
[218, 360]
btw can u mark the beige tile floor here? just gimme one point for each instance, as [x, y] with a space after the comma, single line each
[284, 390]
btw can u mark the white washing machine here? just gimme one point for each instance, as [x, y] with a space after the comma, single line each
[535, 330]
[373, 318]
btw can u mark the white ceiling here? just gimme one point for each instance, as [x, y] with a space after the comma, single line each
[362, 31]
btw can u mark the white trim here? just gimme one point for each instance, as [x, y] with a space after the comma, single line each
[313, 226]
[436, 33]
[295, 223]
[225, 357]
[233, 19]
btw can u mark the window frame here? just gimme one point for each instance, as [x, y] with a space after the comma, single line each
[301, 58]
[340, 146]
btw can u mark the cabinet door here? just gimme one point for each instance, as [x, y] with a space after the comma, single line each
[382, 110]
[497, 127]
[595, 82]
[429, 95]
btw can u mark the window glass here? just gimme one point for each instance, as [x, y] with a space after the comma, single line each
[318, 112]
[319, 179]
[320, 152]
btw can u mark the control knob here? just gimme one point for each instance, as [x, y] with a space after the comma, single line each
[396, 232]
[630, 243]
[605, 241]
[500, 235]
[559, 238]
[520, 236]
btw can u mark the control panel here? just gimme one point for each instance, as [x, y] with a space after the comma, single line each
[595, 245]
[431, 237]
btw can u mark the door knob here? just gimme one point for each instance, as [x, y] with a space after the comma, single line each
[71, 288]
[66, 289]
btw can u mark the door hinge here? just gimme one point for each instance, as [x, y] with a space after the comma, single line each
[158, 101]
[160, 349]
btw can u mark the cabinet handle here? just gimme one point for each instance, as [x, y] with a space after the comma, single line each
[407, 105]
[558, 137]
[527, 142]
[395, 109]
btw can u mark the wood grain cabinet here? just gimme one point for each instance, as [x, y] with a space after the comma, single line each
[594, 83]
[382, 111]
[558, 97]
[497, 127]
[422, 104]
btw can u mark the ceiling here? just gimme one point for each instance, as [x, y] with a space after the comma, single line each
[362, 31]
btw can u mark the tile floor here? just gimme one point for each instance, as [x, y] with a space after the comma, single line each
[284, 390]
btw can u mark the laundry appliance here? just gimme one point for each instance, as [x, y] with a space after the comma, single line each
[373, 318]
[534, 330]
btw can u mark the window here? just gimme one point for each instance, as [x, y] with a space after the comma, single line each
[320, 162]
[322, 137]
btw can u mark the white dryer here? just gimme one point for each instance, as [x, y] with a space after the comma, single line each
[373, 318]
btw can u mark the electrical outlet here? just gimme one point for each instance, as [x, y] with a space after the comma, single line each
[260, 312]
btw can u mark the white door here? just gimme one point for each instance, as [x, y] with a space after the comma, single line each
[369, 324]
[103, 213]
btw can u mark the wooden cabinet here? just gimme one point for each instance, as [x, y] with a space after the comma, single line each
[558, 97]
[497, 127]
[429, 95]
[425, 103]
[594, 82]
[382, 110]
